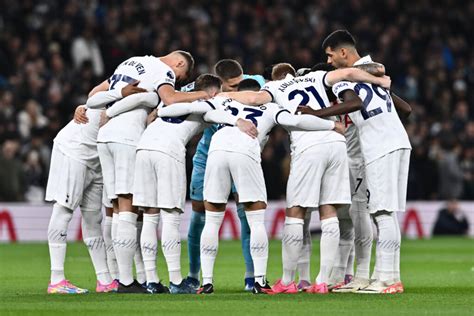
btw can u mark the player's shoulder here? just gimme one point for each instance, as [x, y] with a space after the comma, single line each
[271, 109]
[272, 86]
[218, 101]
[342, 86]
[269, 85]
[272, 106]
[315, 75]
[156, 63]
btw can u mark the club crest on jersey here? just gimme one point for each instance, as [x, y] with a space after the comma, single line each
[170, 75]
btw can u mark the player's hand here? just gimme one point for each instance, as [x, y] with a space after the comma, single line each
[103, 119]
[385, 82]
[131, 89]
[247, 127]
[339, 128]
[302, 109]
[80, 116]
[151, 117]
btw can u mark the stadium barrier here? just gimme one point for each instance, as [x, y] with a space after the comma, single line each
[21, 222]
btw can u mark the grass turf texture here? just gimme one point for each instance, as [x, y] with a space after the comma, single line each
[438, 275]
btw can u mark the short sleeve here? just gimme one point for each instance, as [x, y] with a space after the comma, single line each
[319, 76]
[276, 110]
[271, 88]
[216, 102]
[165, 76]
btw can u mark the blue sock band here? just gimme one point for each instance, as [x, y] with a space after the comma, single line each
[245, 237]
[194, 240]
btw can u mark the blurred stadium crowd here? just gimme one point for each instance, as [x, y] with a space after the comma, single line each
[53, 52]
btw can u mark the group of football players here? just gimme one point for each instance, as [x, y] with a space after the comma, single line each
[126, 148]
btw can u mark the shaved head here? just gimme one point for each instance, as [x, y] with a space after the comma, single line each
[181, 62]
[187, 57]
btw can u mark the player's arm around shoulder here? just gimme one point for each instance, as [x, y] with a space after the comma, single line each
[351, 103]
[80, 116]
[101, 98]
[373, 68]
[304, 122]
[169, 95]
[185, 108]
[249, 97]
[355, 75]
[130, 102]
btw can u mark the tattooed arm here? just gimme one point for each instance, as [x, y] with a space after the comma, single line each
[373, 68]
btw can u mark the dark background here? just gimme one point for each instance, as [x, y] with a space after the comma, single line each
[53, 52]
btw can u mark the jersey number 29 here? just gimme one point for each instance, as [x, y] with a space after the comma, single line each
[383, 94]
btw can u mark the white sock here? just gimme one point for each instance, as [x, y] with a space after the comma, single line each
[210, 244]
[149, 246]
[258, 243]
[109, 247]
[376, 273]
[387, 244]
[346, 242]
[125, 245]
[329, 246]
[350, 262]
[363, 238]
[171, 244]
[292, 243]
[92, 234]
[138, 259]
[57, 237]
[396, 271]
[115, 221]
[304, 260]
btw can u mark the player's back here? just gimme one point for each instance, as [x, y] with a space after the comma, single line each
[230, 138]
[202, 149]
[151, 72]
[378, 124]
[308, 90]
[171, 134]
[79, 141]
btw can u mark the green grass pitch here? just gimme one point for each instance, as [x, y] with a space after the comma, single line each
[438, 275]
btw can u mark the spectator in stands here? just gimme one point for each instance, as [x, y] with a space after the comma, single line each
[30, 117]
[451, 221]
[35, 177]
[58, 50]
[450, 172]
[12, 177]
[85, 48]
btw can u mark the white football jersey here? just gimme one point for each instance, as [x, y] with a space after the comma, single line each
[380, 129]
[171, 134]
[79, 141]
[354, 152]
[127, 127]
[230, 138]
[307, 90]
